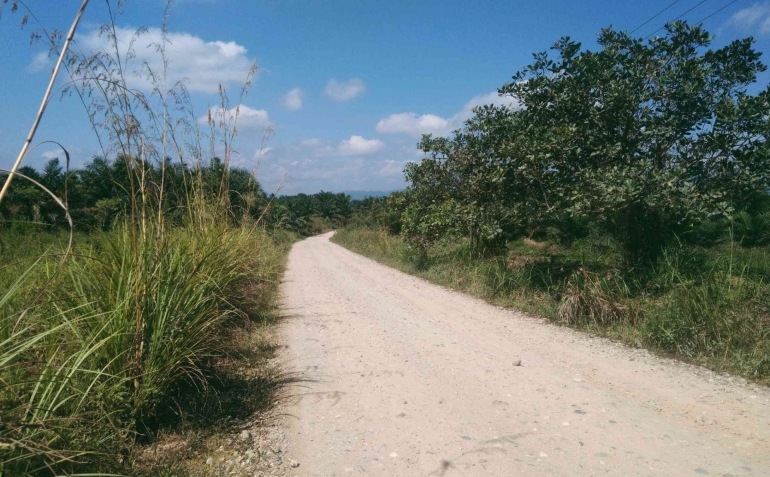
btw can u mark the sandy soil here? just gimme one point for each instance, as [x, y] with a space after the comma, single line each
[399, 377]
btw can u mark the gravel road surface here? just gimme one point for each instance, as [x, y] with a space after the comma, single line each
[400, 377]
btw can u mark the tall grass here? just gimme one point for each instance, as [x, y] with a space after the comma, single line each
[95, 348]
[82, 378]
[720, 317]
[47, 387]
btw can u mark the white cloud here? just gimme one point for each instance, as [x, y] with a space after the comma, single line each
[248, 119]
[317, 164]
[391, 168]
[204, 65]
[316, 147]
[40, 62]
[484, 99]
[262, 152]
[238, 160]
[293, 100]
[53, 154]
[310, 142]
[77, 156]
[750, 18]
[358, 146]
[410, 123]
[340, 91]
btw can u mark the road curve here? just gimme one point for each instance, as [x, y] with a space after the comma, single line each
[400, 377]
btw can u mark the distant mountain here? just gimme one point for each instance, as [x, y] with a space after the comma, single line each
[363, 194]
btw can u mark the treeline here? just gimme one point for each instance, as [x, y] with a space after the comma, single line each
[310, 214]
[99, 195]
[102, 192]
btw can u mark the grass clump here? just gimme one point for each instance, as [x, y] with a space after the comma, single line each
[591, 300]
[95, 368]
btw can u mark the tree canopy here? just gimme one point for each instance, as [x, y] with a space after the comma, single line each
[644, 138]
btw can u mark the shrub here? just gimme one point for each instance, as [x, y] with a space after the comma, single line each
[590, 300]
[752, 230]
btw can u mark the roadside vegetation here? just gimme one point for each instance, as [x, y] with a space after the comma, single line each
[627, 194]
[135, 291]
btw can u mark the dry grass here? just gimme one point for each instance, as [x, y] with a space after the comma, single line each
[586, 301]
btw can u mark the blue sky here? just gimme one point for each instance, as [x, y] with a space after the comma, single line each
[348, 86]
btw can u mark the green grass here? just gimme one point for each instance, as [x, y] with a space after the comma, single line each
[707, 306]
[130, 327]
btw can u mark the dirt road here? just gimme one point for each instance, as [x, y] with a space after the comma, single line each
[400, 377]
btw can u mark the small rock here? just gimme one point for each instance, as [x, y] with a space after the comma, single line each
[174, 446]
[210, 461]
[294, 463]
[244, 435]
[517, 362]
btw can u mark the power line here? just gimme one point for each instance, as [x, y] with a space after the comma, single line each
[677, 18]
[656, 15]
[709, 16]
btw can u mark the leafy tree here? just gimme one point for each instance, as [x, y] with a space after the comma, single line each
[379, 212]
[644, 138]
[462, 187]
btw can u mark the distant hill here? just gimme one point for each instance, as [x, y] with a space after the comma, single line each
[363, 194]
